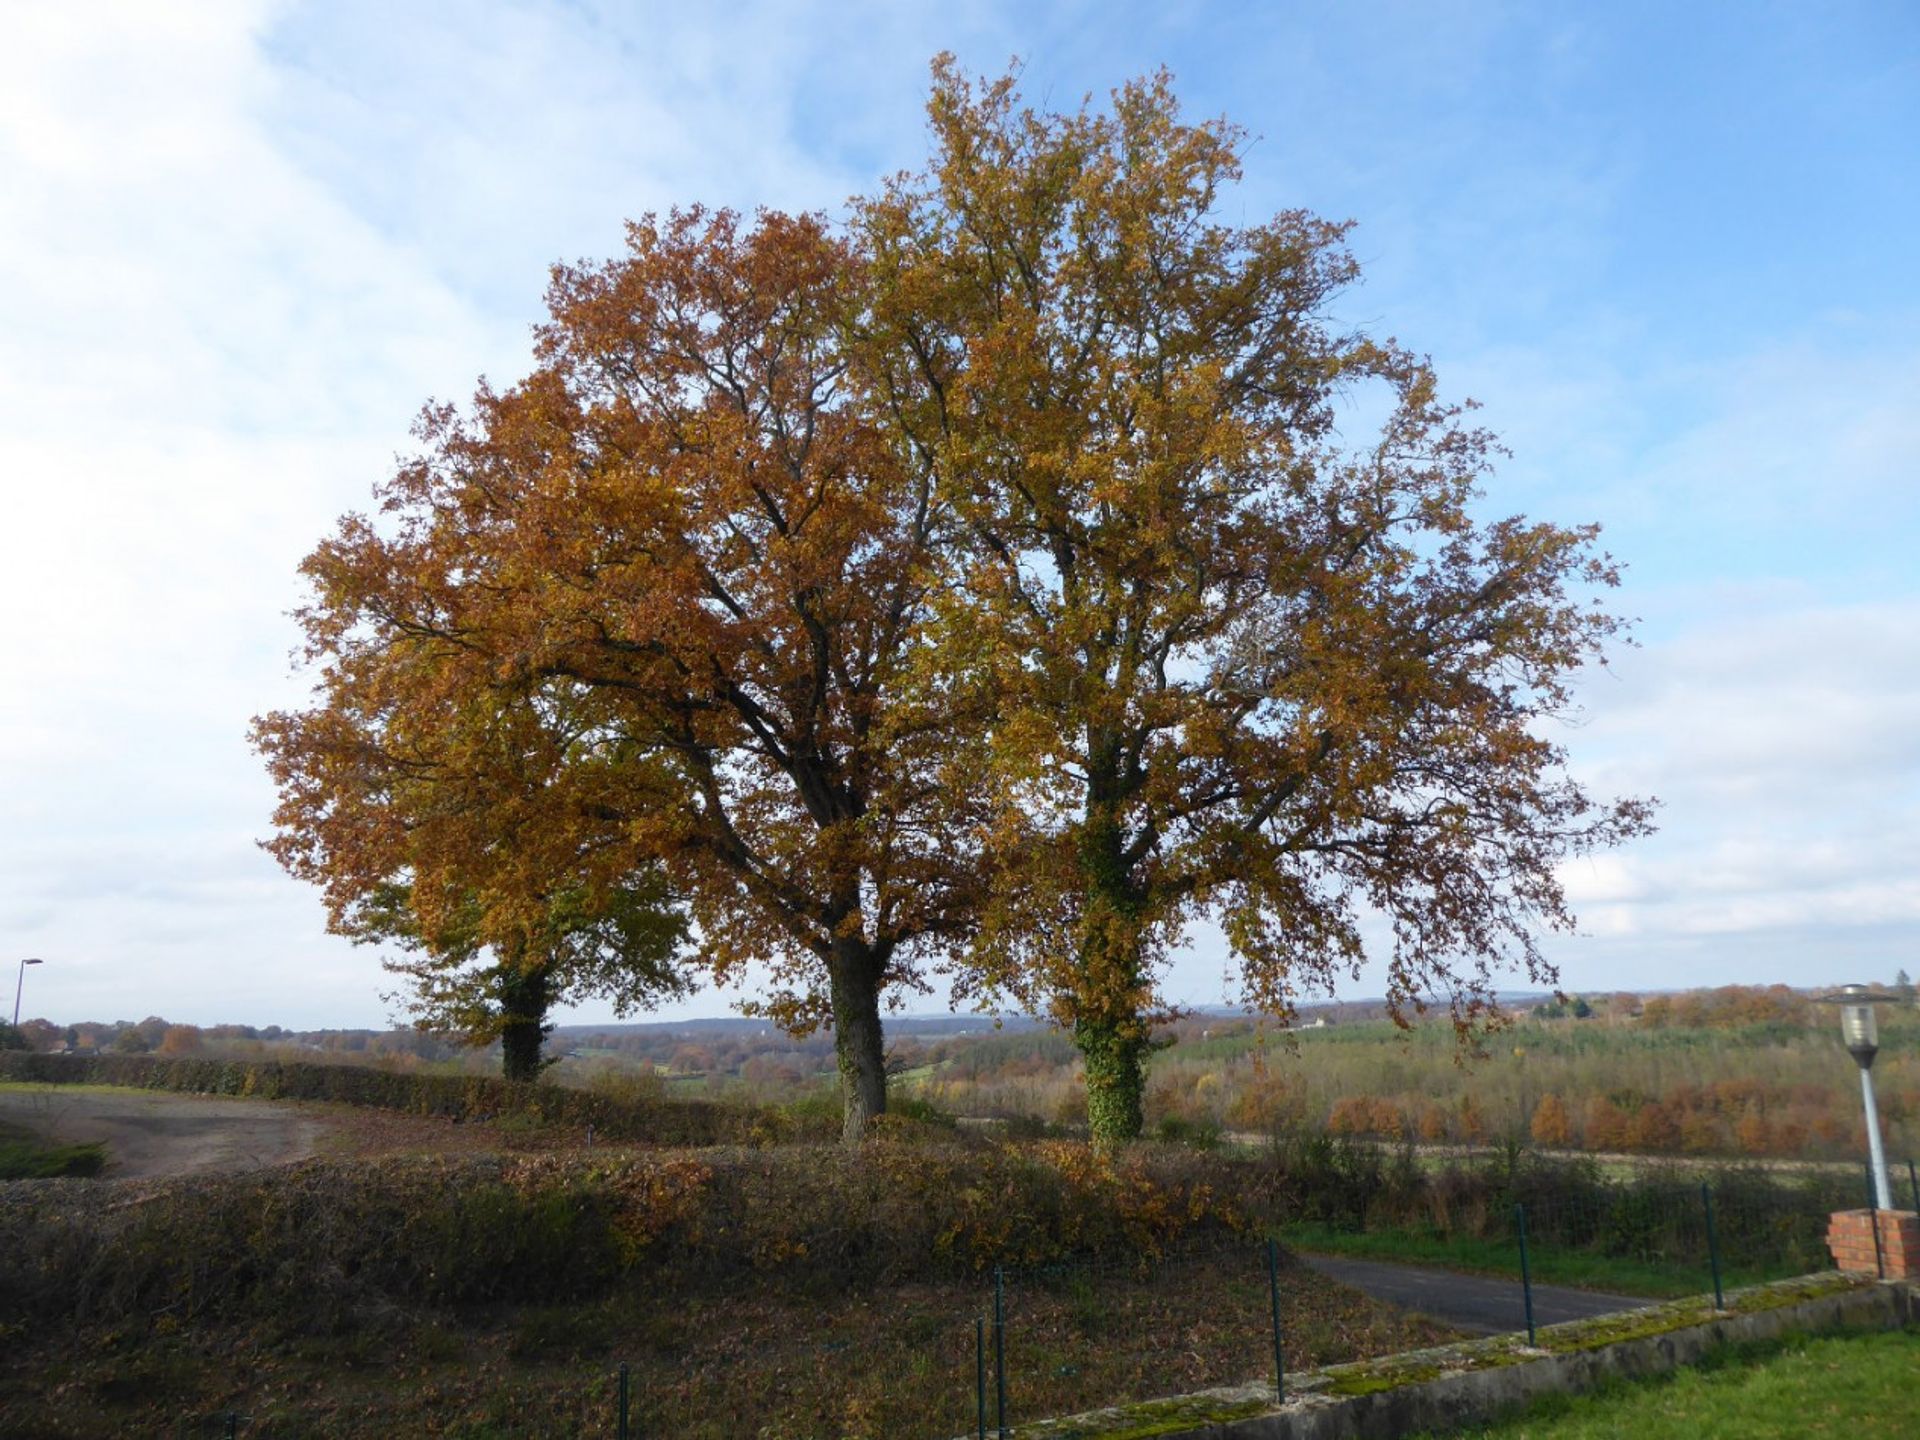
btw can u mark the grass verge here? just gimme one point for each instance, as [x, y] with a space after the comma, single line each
[1858, 1386]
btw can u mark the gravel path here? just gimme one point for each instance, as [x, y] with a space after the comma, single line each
[149, 1134]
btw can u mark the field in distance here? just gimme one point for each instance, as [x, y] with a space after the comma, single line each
[1735, 1073]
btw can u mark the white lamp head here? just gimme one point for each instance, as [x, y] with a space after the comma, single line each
[1858, 1026]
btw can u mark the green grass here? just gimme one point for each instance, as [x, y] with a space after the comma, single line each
[24, 1156]
[1860, 1387]
[1582, 1268]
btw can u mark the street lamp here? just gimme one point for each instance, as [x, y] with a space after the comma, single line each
[1862, 1033]
[19, 979]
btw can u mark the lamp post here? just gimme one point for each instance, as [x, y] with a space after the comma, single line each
[1862, 1034]
[20, 979]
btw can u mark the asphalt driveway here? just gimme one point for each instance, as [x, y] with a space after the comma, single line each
[1483, 1304]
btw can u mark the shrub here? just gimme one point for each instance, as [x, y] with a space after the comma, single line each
[315, 1243]
[1550, 1124]
[1177, 1130]
[654, 1119]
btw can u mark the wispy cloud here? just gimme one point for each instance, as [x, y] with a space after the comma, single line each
[241, 243]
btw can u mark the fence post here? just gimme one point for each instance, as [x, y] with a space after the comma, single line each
[1526, 1274]
[1713, 1244]
[1913, 1180]
[626, 1391]
[1000, 1349]
[1273, 1294]
[980, 1372]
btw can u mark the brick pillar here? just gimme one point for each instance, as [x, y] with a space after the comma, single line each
[1850, 1238]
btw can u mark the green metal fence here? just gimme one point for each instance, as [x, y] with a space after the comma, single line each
[1028, 1342]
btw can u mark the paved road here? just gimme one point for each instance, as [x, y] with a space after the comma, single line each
[1483, 1304]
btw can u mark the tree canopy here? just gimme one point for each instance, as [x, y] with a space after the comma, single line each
[1257, 660]
[465, 821]
[992, 585]
[683, 535]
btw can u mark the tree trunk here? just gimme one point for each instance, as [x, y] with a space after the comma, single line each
[524, 995]
[858, 1043]
[1115, 1055]
[1107, 1027]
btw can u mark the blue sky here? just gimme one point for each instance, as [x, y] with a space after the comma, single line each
[1670, 248]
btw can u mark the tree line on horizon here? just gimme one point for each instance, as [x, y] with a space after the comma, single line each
[989, 583]
[156, 1035]
[1738, 1071]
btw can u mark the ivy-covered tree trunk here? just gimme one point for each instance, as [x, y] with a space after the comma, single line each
[525, 993]
[1114, 1051]
[858, 1040]
[1108, 1024]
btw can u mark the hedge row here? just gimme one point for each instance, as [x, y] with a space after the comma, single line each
[1766, 1219]
[318, 1243]
[455, 1097]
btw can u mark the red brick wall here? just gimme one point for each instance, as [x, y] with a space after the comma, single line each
[1850, 1238]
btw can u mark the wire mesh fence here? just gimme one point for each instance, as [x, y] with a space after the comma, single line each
[1064, 1338]
[1645, 1233]
[984, 1354]
[1667, 1231]
[1018, 1343]
[1077, 1336]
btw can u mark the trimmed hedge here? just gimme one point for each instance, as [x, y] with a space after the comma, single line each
[454, 1097]
[315, 1244]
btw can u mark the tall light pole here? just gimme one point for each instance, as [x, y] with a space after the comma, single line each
[19, 979]
[1862, 1033]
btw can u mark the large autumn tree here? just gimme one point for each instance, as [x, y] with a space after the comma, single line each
[1263, 656]
[686, 551]
[1001, 585]
[465, 820]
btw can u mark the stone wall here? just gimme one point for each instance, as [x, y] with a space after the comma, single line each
[1456, 1385]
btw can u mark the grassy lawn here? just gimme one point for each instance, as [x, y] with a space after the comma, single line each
[1860, 1387]
[1582, 1268]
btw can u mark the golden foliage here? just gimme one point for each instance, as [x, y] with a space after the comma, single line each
[997, 583]
[1246, 667]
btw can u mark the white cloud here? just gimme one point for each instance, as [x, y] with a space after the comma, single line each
[1785, 747]
[1786, 465]
[204, 358]
[240, 246]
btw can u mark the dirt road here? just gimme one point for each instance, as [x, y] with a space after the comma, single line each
[150, 1134]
